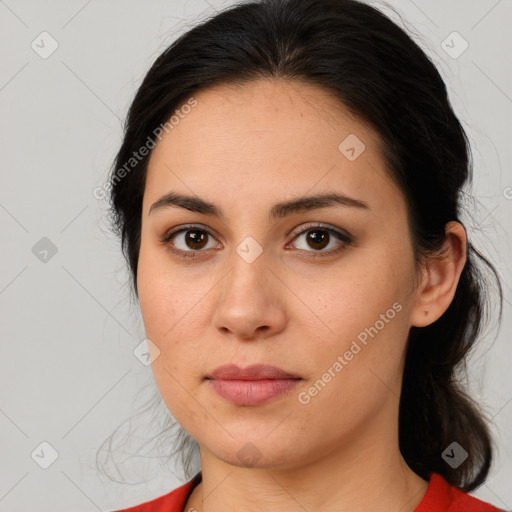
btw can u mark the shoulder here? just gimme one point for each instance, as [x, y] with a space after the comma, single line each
[444, 497]
[171, 502]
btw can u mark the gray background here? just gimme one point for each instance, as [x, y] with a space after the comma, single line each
[68, 375]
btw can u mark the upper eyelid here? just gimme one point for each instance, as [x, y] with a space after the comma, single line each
[308, 226]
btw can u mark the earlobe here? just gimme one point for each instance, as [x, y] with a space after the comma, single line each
[442, 274]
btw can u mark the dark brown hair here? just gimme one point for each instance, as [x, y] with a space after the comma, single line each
[379, 73]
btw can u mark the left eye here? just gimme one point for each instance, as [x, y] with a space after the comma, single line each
[319, 237]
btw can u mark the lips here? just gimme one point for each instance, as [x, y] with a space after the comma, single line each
[253, 372]
[253, 385]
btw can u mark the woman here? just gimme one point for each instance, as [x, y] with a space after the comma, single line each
[287, 193]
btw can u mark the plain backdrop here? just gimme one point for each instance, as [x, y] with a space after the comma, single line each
[68, 374]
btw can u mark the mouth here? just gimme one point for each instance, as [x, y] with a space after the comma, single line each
[253, 385]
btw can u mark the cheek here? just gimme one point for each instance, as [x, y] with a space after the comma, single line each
[361, 315]
[164, 309]
[163, 297]
[353, 296]
[355, 368]
[172, 308]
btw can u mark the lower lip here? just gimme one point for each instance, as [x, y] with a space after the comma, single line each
[252, 392]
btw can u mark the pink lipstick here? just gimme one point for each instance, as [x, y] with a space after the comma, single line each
[253, 385]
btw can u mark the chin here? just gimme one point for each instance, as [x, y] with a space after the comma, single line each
[257, 453]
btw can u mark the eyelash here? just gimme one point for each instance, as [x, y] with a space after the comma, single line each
[343, 238]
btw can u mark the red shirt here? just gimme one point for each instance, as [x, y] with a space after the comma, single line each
[440, 497]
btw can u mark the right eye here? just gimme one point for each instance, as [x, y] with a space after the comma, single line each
[187, 241]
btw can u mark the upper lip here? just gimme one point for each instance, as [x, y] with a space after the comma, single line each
[253, 372]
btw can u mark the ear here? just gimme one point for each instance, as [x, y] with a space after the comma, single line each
[441, 275]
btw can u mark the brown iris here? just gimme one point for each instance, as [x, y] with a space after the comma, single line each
[318, 237]
[196, 239]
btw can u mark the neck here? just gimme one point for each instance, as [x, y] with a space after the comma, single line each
[366, 473]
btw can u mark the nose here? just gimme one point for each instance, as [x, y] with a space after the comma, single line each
[250, 301]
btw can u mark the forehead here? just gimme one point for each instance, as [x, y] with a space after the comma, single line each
[268, 138]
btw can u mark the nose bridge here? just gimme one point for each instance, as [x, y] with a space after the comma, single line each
[247, 302]
[248, 263]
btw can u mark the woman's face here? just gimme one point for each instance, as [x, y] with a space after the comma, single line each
[331, 311]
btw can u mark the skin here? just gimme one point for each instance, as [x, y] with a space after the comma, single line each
[244, 149]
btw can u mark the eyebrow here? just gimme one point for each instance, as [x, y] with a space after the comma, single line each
[278, 211]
